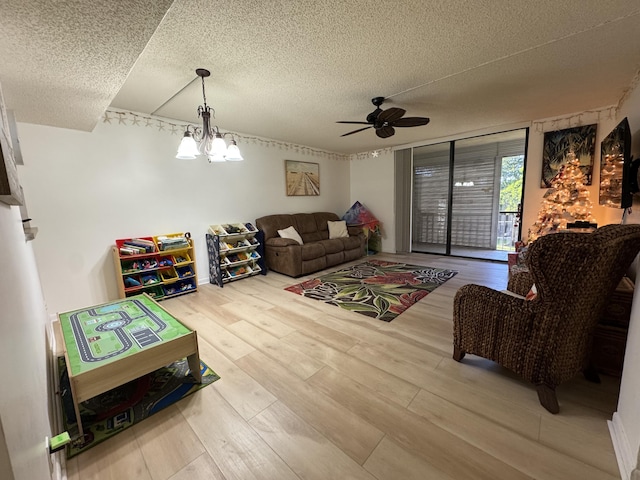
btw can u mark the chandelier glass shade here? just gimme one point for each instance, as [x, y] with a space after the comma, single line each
[207, 140]
[233, 152]
[188, 148]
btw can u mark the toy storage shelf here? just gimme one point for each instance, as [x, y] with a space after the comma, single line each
[163, 266]
[235, 252]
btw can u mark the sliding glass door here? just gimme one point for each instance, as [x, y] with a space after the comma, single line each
[467, 196]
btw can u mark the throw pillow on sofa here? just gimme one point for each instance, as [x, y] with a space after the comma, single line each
[337, 229]
[291, 233]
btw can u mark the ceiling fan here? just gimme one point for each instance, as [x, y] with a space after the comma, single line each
[384, 120]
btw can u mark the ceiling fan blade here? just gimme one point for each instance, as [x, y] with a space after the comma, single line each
[391, 115]
[410, 122]
[356, 123]
[356, 131]
[385, 132]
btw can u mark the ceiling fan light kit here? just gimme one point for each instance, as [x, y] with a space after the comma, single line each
[384, 121]
[210, 142]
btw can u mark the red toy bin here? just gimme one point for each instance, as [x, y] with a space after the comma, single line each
[132, 283]
[165, 261]
[121, 243]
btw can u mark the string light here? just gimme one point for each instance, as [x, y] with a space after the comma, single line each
[630, 88]
[133, 119]
[372, 154]
[556, 123]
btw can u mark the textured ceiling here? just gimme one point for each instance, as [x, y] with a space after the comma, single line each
[288, 69]
[62, 62]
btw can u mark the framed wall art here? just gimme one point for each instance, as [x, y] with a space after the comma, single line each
[302, 178]
[581, 140]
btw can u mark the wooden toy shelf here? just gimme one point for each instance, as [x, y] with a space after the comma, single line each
[235, 252]
[162, 266]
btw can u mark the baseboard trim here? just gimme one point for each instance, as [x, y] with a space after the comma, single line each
[624, 456]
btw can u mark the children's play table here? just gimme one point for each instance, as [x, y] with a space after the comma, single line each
[108, 345]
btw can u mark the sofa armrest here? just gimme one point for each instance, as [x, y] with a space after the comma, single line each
[283, 255]
[355, 231]
[280, 242]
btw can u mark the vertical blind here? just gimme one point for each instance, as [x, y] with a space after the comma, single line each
[430, 198]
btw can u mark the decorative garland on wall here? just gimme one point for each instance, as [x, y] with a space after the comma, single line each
[373, 153]
[630, 88]
[162, 124]
[573, 120]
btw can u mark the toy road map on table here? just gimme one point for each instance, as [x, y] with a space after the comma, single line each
[109, 345]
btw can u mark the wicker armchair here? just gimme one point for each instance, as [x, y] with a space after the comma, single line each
[547, 340]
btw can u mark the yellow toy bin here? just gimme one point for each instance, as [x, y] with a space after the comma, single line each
[181, 259]
[172, 241]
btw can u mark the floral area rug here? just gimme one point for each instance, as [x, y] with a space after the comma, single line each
[377, 289]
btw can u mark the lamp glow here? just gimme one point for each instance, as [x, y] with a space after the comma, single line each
[218, 145]
[187, 150]
[233, 152]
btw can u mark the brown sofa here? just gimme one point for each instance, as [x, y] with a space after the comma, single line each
[287, 256]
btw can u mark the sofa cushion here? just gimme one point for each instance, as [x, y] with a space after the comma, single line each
[321, 222]
[306, 226]
[334, 258]
[337, 229]
[311, 251]
[352, 254]
[332, 246]
[305, 223]
[290, 232]
[310, 266]
[351, 243]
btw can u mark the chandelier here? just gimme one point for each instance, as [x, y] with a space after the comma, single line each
[210, 142]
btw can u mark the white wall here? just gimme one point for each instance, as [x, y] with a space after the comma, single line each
[24, 417]
[628, 413]
[372, 185]
[87, 189]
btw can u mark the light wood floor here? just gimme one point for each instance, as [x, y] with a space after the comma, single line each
[310, 391]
